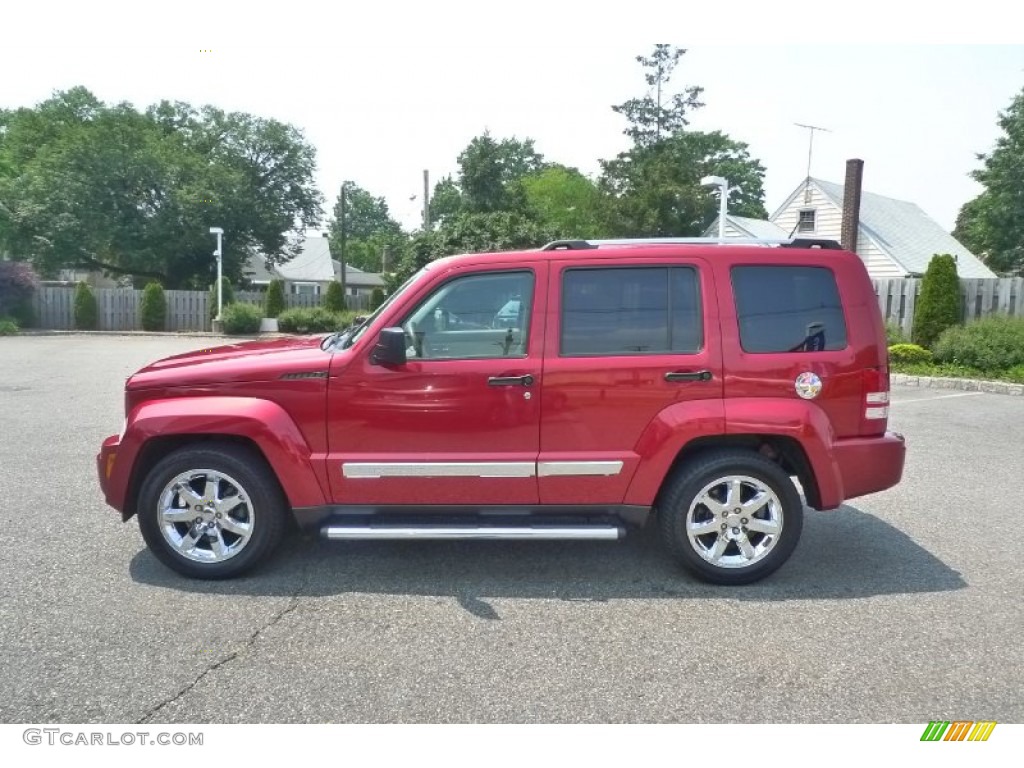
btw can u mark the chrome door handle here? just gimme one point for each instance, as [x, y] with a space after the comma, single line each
[510, 381]
[688, 376]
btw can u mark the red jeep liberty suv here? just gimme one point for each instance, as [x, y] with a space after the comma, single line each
[569, 392]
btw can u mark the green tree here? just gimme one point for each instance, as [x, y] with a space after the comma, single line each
[992, 224]
[472, 233]
[376, 298]
[154, 307]
[275, 304]
[86, 311]
[107, 187]
[658, 114]
[938, 306]
[334, 299]
[655, 191]
[489, 174]
[446, 201]
[565, 201]
[369, 229]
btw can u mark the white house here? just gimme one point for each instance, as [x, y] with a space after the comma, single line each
[311, 271]
[895, 238]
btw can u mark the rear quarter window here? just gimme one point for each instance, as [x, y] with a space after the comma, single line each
[788, 309]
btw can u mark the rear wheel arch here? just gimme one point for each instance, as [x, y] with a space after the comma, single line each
[785, 451]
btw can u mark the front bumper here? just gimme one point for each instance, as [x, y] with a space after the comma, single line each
[106, 470]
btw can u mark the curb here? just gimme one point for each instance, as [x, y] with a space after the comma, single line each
[965, 385]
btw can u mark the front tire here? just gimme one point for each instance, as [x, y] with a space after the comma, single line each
[730, 516]
[211, 511]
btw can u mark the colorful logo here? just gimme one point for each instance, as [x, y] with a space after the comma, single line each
[959, 730]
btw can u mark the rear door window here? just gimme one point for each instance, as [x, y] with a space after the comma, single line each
[630, 311]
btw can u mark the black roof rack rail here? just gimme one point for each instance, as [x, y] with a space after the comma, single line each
[568, 245]
[814, 242]
[799, 242]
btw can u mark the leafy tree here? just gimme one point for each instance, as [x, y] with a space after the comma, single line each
[655, 191]
[87, 185]
[658, 114]
[446, 201]
[992, 224]
[565, 201]
[489, 172]
[86, 311]
[154, 307]
[472, 233]
[938, 306]
[369, 228]
[334, 300]
[376, 298]
[275, 304]
[18, 283]
[227, 296]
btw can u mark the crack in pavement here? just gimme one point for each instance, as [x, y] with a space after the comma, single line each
[249, 643]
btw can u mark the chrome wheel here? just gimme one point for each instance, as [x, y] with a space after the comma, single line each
[205, 515]
[734, 521]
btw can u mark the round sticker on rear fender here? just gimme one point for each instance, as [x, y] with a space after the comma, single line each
[808, 385]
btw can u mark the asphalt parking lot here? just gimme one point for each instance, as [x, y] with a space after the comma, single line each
[901, 607]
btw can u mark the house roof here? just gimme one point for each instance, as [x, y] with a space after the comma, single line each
[759, 228]
[312, 264]
[900, 228]
[356, 276]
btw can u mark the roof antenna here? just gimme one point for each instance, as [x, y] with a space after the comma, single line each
[810, 153]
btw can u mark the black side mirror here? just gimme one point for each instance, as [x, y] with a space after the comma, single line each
[390, 348]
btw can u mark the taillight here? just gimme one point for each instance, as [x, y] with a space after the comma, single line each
[876, 399]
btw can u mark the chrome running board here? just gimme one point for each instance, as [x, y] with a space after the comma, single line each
[447, 532]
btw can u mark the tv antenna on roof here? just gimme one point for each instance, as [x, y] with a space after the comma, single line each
[810, 145]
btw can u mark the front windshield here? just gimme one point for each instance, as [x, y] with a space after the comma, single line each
[362, 328]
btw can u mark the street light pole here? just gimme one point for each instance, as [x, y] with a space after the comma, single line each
[220, 269]
[723, 203]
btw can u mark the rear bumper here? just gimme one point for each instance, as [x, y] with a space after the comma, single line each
[870, 464]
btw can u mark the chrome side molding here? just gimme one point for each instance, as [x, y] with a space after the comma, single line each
[441, 532]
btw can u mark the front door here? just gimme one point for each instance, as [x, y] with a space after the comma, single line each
[459, 423]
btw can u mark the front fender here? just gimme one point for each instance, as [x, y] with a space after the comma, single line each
[263, 422]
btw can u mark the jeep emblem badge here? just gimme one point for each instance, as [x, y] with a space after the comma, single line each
[808, 385]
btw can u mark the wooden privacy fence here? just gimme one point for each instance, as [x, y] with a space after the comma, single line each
[119, 309]
[978, 298]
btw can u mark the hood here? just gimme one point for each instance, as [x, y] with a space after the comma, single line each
[243, 361]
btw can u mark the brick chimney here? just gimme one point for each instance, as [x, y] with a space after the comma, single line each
[851, 204]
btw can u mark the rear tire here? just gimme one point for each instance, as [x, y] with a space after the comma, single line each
[211, 511]
[730, 516]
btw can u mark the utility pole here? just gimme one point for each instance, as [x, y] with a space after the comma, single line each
[810, 145]
[341, 243]
[426, 200]
[385, 253]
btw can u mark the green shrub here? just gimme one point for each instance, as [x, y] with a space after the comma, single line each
[334, 300]
[227, 296]
[991, 344]
[8, 327]
[909, 353]
[376, 298]
[1016, 374]
[275, 299]
[313, 320]
[938, 306]
[154, 307]
[242, 319]
[894, 334]
[86, 311]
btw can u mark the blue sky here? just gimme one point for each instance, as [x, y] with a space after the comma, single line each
[387, 91]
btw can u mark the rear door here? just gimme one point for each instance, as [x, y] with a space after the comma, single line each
[623, 343]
